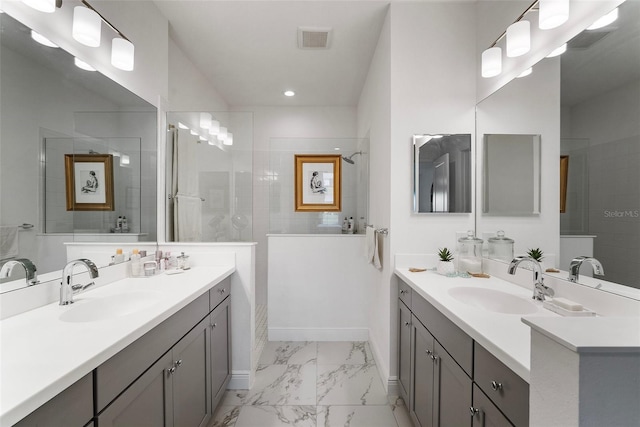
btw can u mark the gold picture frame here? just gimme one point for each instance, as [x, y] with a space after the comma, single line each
[89, 182]
[564, 175]
[318, 183]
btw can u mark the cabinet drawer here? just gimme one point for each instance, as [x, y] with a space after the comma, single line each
[114, 375]
[219, 292]
[488, 414]
[452, 338]
[404, 292]
[72, 407]
[504, 387]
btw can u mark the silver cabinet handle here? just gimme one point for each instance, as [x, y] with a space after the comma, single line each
[473, 411]
[402, 292]
[179, 363]
[171, 370]
[222, 290]
[495, 386]
[407, 324]
[434, 358]
[215, 325]
[429, 353]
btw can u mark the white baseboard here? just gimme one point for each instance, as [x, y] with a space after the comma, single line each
[240, 380]
[318, 334]
[393, 388]
[389, 383]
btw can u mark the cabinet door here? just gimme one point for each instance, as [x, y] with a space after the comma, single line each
[404, 350]
[423, 375]
[144, 403]
[453, 393]
[191, 385]
[219, 321]
[485, 413]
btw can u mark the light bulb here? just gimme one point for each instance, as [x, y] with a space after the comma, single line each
[87, 25]
[518, 39]
[553, 13]
[122, 54]
[491, 62]
[289, 93]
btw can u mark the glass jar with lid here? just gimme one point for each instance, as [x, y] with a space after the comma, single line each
[470, 254]
[501, 247]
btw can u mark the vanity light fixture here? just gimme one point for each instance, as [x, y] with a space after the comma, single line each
[83, 65]
[229, 139]
[491, 62]
[42, 39]
[48, 6]
[193, 132]
[525, 73]
[205, 120]
[182, 125]
[289, 93]
[222, 133]
[558, 51]
[607, 19]
[87, 26]
[552, 13]
[214, 128]
[122, 54]
[124, 160]
[518, 39]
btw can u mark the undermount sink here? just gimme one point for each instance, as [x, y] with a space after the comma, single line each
[493, 300]
[110, 307]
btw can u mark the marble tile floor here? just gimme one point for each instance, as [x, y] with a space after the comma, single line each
[313, 384]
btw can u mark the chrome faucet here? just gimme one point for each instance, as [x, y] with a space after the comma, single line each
[574, 267]
[540, 290]
[29, 268]
[67, 288]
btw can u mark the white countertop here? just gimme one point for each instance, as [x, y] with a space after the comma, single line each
[41, 355]
[503, 335]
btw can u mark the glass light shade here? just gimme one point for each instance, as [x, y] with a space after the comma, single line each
[47, 6]
[222, 133]
[229, 139]
[552, 13]
[518, 39]
[605, 20]
[86, 26]
[83, 65]
[289, 93]
[491, 62]
[205, 120]
[182, 125]
[558, 51]
[211, 142]
[122, 54]
[193, 132]
[42, 39]
[214, 128]
[525, 73]
[124, 160]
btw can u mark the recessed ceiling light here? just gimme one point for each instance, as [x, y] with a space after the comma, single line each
[289, 93]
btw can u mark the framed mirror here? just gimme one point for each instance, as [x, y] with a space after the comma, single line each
[51, 108]
[442, 173]
[511, 184]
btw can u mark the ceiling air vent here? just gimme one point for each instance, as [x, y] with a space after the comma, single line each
[314, 37]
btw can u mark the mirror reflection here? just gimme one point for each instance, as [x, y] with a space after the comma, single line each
[49, 109]
[596, 127]
[511, 161]
[442, 173]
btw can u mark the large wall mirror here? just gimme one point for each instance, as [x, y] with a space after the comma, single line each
[51, 108]
[596, 130]
[442, 173]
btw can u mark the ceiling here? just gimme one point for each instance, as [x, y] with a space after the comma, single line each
[248, 49]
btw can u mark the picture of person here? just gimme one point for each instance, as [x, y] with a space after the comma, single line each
[92, 183]
[316, 184]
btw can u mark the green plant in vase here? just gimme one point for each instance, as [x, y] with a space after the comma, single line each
[536, 254]
[445, 264]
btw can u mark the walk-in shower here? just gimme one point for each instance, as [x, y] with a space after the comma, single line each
[349, 160]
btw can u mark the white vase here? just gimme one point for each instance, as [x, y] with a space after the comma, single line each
[446, 267]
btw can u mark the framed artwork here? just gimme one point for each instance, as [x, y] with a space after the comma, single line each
[317, 183]
[564, 174]
[89, 182]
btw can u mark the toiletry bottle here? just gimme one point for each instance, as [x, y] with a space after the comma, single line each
[136, 264]
[172, 262]
[350, 225]
[119, 257]
[125, 226]
[345, 225]
[362, 229]
[119, 223]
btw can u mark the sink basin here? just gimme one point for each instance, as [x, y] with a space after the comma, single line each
[493, 300]
[110, 307]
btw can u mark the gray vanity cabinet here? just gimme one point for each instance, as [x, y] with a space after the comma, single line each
[220, 329]
[404, 350]
[453, 395]
[485, 413]
[422, 405]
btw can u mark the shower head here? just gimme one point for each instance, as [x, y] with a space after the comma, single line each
[348, 159]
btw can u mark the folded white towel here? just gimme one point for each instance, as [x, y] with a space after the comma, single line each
[187, 218]
[9, 242]
[376, 251]
[370, 243]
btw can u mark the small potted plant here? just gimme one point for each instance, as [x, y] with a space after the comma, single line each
[536, 254]
[445, 265]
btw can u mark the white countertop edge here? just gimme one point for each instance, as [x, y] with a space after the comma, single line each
[591, 334]
[503, 356]
[318, 235]
[24, 405]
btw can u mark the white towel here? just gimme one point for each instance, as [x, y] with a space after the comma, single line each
[377, 263]
[9, 242]
[187, 218]
[370, 243]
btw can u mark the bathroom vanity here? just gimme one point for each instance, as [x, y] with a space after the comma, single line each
[162, 358]
[460, 363]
